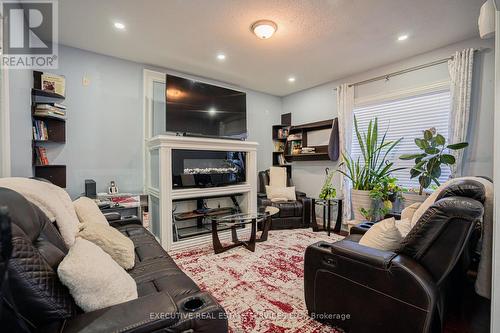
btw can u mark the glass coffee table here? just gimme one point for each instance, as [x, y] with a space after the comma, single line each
[240, 221]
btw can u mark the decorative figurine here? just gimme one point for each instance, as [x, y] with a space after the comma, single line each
[112, 189]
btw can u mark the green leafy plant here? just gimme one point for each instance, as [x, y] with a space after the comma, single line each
[384, 194]
[434, 153]
[328, 191]
[367, 173]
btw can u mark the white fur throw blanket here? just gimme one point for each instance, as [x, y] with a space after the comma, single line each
[52, 200]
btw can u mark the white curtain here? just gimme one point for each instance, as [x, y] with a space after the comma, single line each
[460, 67]
[345, 106]
[4, 118]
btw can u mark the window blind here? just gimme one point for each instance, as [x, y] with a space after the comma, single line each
[406, 118]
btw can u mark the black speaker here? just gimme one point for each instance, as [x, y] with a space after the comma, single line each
[90, 188]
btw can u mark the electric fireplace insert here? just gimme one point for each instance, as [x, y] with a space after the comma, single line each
[207, 168]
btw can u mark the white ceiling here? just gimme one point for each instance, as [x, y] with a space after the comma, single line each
[316, 41]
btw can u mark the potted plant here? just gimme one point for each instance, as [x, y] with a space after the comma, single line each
[385, 195]
[434, 154]
[368, 172]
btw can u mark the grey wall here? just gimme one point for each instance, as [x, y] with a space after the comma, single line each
[319, 103]
[105, 121]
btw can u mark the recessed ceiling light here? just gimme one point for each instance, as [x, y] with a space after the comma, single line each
[212, 111]
[119, 26]
[221, 56]
[264, 29]
[402, 38]
[291, 79]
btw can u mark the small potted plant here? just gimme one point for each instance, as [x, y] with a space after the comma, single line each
[385, 195]
[428, 163]
[328, 191]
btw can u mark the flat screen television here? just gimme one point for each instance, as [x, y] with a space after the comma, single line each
[197, 108]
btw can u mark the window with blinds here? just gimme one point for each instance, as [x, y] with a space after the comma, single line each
[406, 118]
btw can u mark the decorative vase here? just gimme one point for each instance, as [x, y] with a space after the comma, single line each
[411, 198]
[361, 199]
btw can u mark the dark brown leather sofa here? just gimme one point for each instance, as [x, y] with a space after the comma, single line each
[292, 214]
[362, 289]
[33, 298]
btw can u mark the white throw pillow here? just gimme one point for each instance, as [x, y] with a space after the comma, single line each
[277, 177]
[276, 194]
[111, 241]
[408, 212]
[382, 235]
[404, 226]
[88, 211]
[52, 200]
[93, 278]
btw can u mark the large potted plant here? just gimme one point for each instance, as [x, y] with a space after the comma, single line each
[428, 162]
[368, 172]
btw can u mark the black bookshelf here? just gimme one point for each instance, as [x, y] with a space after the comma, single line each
[55, 133]
[279, 135]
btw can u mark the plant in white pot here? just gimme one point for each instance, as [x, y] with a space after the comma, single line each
[428, 163]
[368, 172]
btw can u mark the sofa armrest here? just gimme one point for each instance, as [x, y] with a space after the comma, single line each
[125, 221]
[112, 216]
[136, 314]
[150, 313]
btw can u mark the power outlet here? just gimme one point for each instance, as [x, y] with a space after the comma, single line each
[85, 81]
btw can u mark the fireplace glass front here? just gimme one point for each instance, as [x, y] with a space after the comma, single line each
[207, 168]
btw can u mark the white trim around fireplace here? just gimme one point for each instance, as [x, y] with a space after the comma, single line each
[159, 182]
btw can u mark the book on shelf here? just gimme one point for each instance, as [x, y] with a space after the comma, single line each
[293, 137]
[50, 106]
[279, 147]
[40, 131]
[41, 156]
[282, 161]
[60, 114]
[50, 82]
[282, 133]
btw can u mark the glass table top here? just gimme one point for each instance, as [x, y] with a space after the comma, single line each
[241, 218]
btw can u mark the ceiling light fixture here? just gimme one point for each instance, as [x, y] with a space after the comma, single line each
[264, 29]
[291, 79]
[212, 111]
[402, 38]
[119, 26]
[221, 56]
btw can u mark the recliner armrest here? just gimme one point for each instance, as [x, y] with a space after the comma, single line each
[135, 314]
[150, 313]
[300, 194]
[125, 221]
[360, 253]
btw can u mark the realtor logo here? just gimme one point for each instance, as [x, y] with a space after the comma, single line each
[29, 34]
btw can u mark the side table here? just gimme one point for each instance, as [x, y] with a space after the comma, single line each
[327, 205]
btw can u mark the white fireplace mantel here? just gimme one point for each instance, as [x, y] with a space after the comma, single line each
[159, 183]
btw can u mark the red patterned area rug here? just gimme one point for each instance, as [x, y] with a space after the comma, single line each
[261, 291]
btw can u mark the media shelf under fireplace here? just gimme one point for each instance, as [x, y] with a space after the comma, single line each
[193, 223]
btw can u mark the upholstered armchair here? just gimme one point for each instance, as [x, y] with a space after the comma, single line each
[292, 214]
[401, 290]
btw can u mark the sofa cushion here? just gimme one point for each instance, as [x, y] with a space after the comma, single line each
[288, 209]
[111, 241]
[94, 279]
[382, 236]
[88, 211]
[154, 270]
[280, 194]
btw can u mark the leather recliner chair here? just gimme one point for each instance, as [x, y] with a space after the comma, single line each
[362, 289]
[33, 299]
[292, 214]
